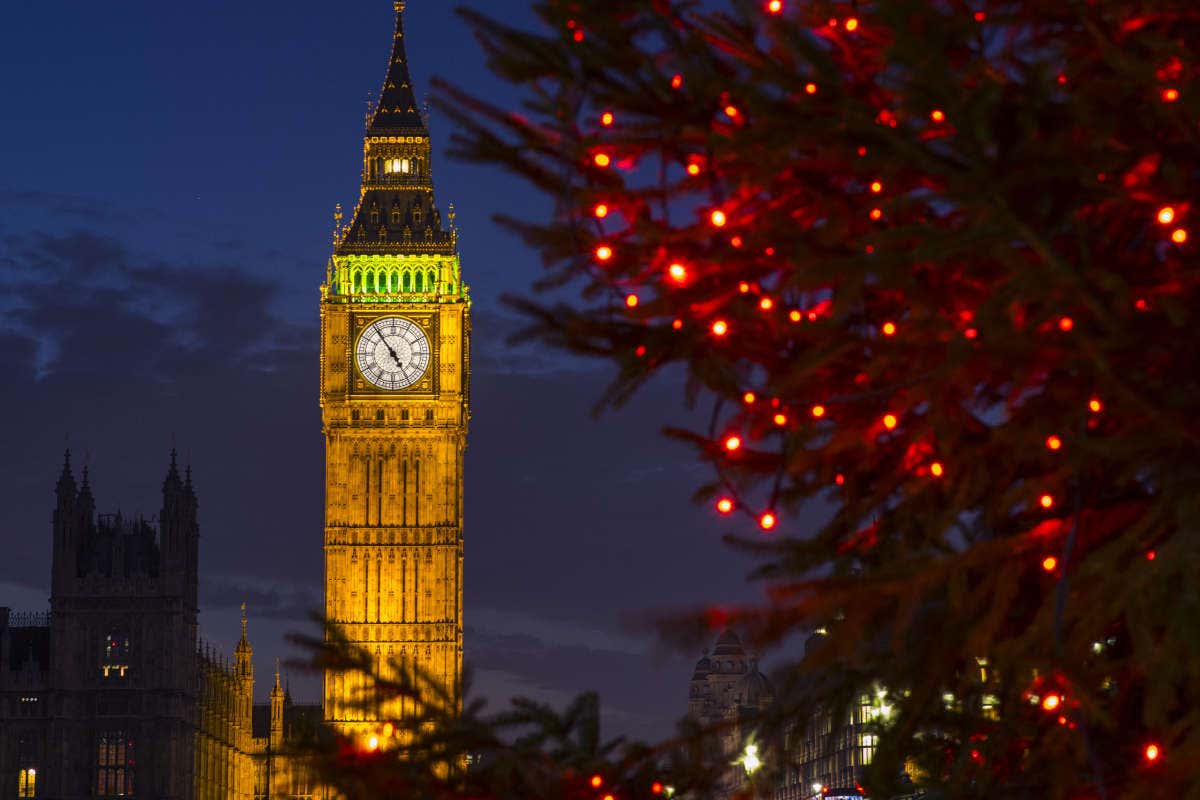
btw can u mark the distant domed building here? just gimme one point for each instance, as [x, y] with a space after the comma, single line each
[727, 690]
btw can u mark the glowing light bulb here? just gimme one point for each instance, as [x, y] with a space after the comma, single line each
[1053, 443]
[601, 211]
[718, 218]
[631, 300]
[749, 397]
[1152, 752]
[1065, 324]
[876, 213]
[606, 118]
[693, 169]
[656, 788]
[604, 252]
[890, 422]
[1095, 406]
[678, 272]
[677, 324]
[676, 81]
[818, 411]
[724, 505]
[936, 469]
[852, 24]
[781, 419]
[937, 115]
[767, 521]
[1170, 95]
[731, 112]
[1151, 555]
[603, 159]
[775, 7]
[876, 187]
[1049, 563]
[720, 327]
[1051, 702]
[794, 315]
[766, 304]
[889, 329]
[744, 287]
[1046, 501]
[1179, 235]
[811, 88]
[736, 241]
[733, 442]
[597, 781]
[373, 743]
[1166, 215]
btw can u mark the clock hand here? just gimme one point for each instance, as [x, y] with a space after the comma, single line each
[395, 357]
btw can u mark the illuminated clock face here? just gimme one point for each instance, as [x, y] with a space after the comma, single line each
[392, 353]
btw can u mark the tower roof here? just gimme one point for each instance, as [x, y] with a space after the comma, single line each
[397, 109]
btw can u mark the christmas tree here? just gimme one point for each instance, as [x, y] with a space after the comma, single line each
[931, 262]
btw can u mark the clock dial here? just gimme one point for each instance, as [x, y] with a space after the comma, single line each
[392, 353]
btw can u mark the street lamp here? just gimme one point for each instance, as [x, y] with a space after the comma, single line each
[750, 760]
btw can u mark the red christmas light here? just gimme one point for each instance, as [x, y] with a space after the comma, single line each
[766, 304]
[1051, 701]
[678, 272]
[876, 213]
[604, 252]
[937, 115]
[818, 411]
[1046, 501]
[749, 397]
[676, 81]
[1152, 752]
[767, 521]
[631, 300]
[852, 24]
[603, 159]
[936, 469]
[1053, 443]
[733, 442]
[781, 419]
[889, 329]
[980, 16]
[1151, 555]
[578, 36]
[876, 187]
[1166, 215]
[794, 315]
[1065, 324]
[1179, 235]
[1095, 406]
[775, 7]
[677, 324]
[597, 781]
[606, 118]
[656, 788]
[731, 112]
[1049, 563]
[720, 327]
[1170, 95]
[736, 241]
[725, 505]
[693, 169]
[717, 217]
[890, 421]
[811, 88]
[601, 211]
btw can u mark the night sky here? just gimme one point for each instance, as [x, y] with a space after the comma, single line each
[168, 174]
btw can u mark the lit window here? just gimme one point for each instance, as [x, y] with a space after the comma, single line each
[116, 656]
[114, 765]
[27, 782]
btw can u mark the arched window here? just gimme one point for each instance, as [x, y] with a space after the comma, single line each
[407, 281]
[432, 281]
[375, 215]
[396, 214]
[114, 663]
[355, 282]
[420, 281]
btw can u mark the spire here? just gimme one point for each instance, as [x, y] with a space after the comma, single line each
[397, 108]
[243, 645]
[278, 687]
[66, 481]
[172, 480]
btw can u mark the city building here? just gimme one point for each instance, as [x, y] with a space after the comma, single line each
[112, 693]
[395, 378]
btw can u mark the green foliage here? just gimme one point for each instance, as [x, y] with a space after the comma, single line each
[1023, 151]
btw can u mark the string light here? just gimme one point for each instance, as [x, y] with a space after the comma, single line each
[766, 304]
[1046, 501]
[678, 272]
[749, 397]
[1065, 324]
[889, 329]
[656, 788]
[736, 241]
[725, 505]
[1166, 215]
[1170, 95]
[744, 287]
[676, 81]
[373, 743]
[601, 211]
[811, 88]
[1053, 443]
[781, 419]
[876, 213]
[631, 300]
[731, 112]
[720, 327]
[606, 119]
[1051, 701]
[794, 315]
[890, 422]
[1095, 406]
[1152, 752]
[936, 469]
[1179, 235]
[818, 411]
[677, 324]
[603, 159]
[693, 169]
[852, 24]
[1049, 563]
[775, 7]
[767, 521]
[604, 252]
[937, 115]
[597, 781]
[876, 187]
[717, 217]
[733, 442]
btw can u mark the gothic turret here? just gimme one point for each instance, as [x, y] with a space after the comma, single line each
[277, 696]
[67, 533]
[396, 213]
[179, 532]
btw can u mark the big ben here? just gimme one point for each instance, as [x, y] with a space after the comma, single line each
[395, 368]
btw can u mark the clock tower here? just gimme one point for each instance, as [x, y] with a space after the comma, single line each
[395, 370]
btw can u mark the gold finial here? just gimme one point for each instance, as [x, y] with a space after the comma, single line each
[399, 6]
[337, 225]
[243, 619]
[277, 686]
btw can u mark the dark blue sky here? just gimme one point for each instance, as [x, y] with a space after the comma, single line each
[168, 174]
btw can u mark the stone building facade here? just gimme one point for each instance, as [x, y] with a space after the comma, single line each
[112, 694]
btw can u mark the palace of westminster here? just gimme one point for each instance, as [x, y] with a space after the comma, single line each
[113, 694]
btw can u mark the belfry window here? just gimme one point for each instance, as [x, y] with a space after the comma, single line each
[27, 782]
[114, 765]
[115, 663]
[401, 166]
[395, 215]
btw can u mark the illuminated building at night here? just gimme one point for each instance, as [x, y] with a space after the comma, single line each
[395, 373]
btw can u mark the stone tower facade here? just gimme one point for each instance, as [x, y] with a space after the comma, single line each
[395, 331]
